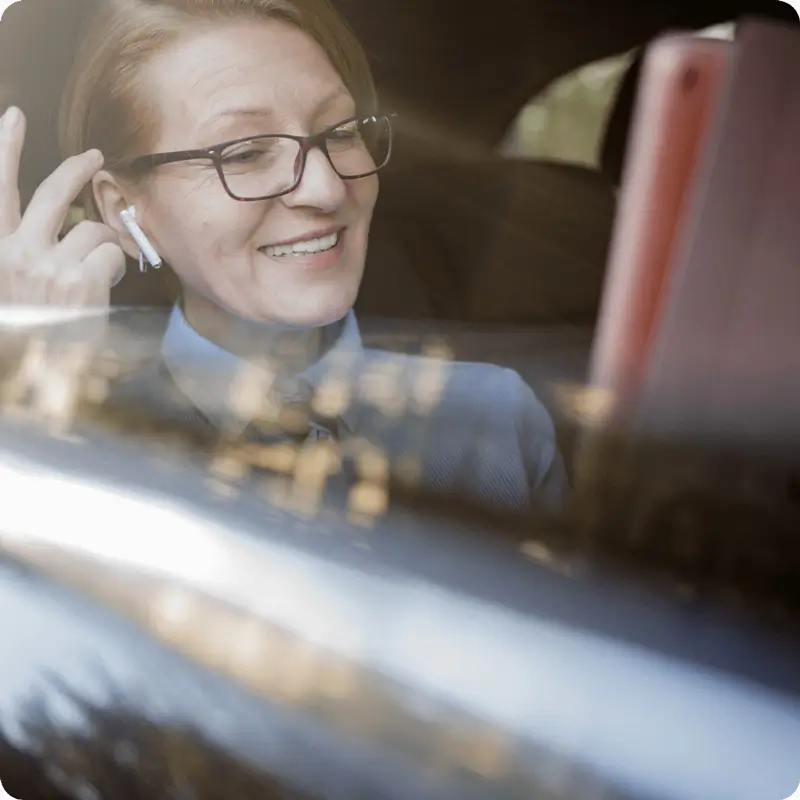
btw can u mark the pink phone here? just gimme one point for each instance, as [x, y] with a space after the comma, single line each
[724, 360]
[682, 75]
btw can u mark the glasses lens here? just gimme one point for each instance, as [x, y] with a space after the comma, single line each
[261, 166]
[360, 147]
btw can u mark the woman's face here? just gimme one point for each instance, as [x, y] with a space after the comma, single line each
[244, 79]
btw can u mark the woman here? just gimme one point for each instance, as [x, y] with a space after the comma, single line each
[244, 137]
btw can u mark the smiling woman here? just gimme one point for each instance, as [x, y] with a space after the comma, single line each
[144, 63]
[241, 142]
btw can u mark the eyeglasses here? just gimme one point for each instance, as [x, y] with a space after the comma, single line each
[271, 165]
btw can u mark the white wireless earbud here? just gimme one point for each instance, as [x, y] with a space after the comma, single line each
[146, 249]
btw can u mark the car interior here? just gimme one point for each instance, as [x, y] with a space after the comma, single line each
[594, 686]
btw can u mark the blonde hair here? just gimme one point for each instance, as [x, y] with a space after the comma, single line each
[106, 106]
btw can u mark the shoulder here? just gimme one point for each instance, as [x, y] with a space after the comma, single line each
[482, 423]
[509, 410]
[151, 393]
[466, 388]
[148, 383]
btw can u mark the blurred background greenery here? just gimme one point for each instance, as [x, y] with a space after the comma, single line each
[567, 120]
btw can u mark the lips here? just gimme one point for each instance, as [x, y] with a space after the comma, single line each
[306, 247]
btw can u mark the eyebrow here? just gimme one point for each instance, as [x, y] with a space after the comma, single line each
[329, 99]
[265, 113]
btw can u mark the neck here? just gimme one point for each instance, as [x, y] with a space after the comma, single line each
[291, 348]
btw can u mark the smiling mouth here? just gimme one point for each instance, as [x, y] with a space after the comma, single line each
[305, 248]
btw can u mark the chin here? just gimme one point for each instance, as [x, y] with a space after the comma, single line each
[311, 312]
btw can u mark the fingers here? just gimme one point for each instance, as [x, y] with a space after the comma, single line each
[12, 139]
[51, 202]
[84, 238]
[104, 267]
[57, 282]
[88, 282]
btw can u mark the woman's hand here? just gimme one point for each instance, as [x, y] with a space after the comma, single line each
[36, 269]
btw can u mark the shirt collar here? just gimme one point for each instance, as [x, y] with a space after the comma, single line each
[205, 372]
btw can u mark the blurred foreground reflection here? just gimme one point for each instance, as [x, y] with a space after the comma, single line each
[193, 616]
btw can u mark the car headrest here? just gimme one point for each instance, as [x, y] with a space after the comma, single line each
[615, 140]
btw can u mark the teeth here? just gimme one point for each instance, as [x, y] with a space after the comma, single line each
[303, 248]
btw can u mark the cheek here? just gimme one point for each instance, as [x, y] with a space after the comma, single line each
[198, 227]
[365, 194]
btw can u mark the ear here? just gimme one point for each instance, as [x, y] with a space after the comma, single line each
[111, 197]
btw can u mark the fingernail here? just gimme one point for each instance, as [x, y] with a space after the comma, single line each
[97, 157]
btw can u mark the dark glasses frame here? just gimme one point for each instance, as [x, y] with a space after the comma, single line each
[145, 163]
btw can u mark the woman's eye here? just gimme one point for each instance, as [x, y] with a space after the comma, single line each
[242, 157]
[344, 134]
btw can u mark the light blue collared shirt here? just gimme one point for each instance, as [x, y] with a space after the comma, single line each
[486, 435]
[205, 372]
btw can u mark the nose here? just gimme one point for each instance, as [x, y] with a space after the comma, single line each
[320, 187]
